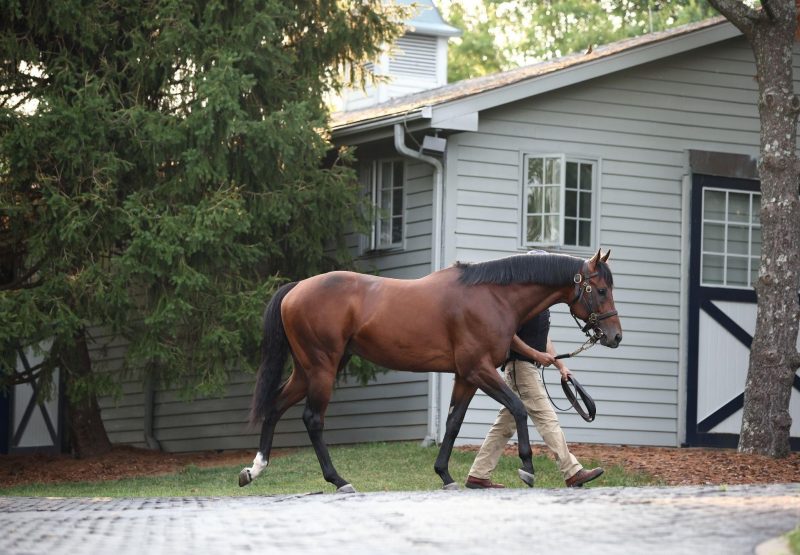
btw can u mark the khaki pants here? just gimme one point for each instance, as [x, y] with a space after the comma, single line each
[524, 379]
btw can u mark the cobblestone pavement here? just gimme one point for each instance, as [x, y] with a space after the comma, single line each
[705, 520]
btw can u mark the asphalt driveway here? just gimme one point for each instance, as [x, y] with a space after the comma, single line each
[704, 520]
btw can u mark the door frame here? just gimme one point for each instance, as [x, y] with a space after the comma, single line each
[701, 299]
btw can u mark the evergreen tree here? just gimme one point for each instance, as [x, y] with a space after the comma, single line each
[160, 173]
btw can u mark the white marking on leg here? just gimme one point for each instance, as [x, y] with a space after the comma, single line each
[259, 464]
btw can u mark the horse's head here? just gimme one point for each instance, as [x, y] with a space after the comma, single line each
[593, 301]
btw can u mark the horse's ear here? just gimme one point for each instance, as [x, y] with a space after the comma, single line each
[604, 258]
[593, 260]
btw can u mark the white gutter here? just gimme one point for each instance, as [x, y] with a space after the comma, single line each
[380, 122]
[434, 378]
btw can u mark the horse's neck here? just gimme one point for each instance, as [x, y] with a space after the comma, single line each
[529, 299]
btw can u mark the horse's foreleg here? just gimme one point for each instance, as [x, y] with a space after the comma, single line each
[289, 394]
[459, 402]
[314, 418]
[494, 387]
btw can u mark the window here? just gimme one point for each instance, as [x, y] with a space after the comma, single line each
[387, 185]
[731, 238]
[553, 182]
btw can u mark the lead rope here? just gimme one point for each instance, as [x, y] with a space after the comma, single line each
[588, 344]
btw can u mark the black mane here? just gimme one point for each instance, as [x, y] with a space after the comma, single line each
[546, 269]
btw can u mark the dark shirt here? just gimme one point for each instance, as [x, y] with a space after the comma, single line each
[534, 333]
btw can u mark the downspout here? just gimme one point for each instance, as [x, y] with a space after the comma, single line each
[434, 379]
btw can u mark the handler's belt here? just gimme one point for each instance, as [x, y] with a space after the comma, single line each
[518, 358]
[514, 356]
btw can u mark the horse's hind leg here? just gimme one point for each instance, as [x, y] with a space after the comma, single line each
[290, 393]
[319, 394]
[491, 384]
[459, 402]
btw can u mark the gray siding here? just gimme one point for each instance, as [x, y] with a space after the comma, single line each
[638, 124]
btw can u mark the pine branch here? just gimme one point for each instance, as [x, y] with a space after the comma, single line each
[22, 281]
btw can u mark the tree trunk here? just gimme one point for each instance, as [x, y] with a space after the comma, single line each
[773, 354]
[87, 434]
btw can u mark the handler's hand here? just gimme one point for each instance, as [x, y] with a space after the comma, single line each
[565, 373]
[545, 359]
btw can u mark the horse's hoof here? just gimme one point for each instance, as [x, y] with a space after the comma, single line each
[244, 477]
[526, 477]
[347, 488]
[452, 486]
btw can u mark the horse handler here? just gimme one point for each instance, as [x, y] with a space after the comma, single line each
[522, 376]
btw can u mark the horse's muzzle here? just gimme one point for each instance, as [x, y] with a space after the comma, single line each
[613, 343]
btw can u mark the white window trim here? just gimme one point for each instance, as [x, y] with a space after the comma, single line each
[597, 163]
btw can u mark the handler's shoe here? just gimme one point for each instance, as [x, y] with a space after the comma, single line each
[480, 483]
[582, 476]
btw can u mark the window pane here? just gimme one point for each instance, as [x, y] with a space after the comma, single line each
[386, 175]
[713, 205]
[386, 201]
[586, 177]
[535, 201]
[714, 238]
[737, 271]
[737, 239]
[534, 229]
[754, 266]
[712, 269]
[552, 200]
[572, 175]
[398, 174]
[552, 170]
[570, 232]
[385, 232]
[585, 233]
[571, 204]
[397, 230]
[535, 171]
[756, 242]
[397, 202]
[738, 207]
[586, 205]
[550, 231]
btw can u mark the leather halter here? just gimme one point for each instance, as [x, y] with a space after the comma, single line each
[584, 292]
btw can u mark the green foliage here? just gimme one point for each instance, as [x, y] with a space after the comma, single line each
[160, 170]
[500, 35]
[400, 466]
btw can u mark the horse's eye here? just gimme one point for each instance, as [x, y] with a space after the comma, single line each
[602, 291]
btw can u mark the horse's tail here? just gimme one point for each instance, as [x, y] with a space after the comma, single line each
[274, 351]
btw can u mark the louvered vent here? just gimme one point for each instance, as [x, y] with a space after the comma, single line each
[416, 57]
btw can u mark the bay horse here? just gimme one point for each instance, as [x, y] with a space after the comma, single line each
[461, 319]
